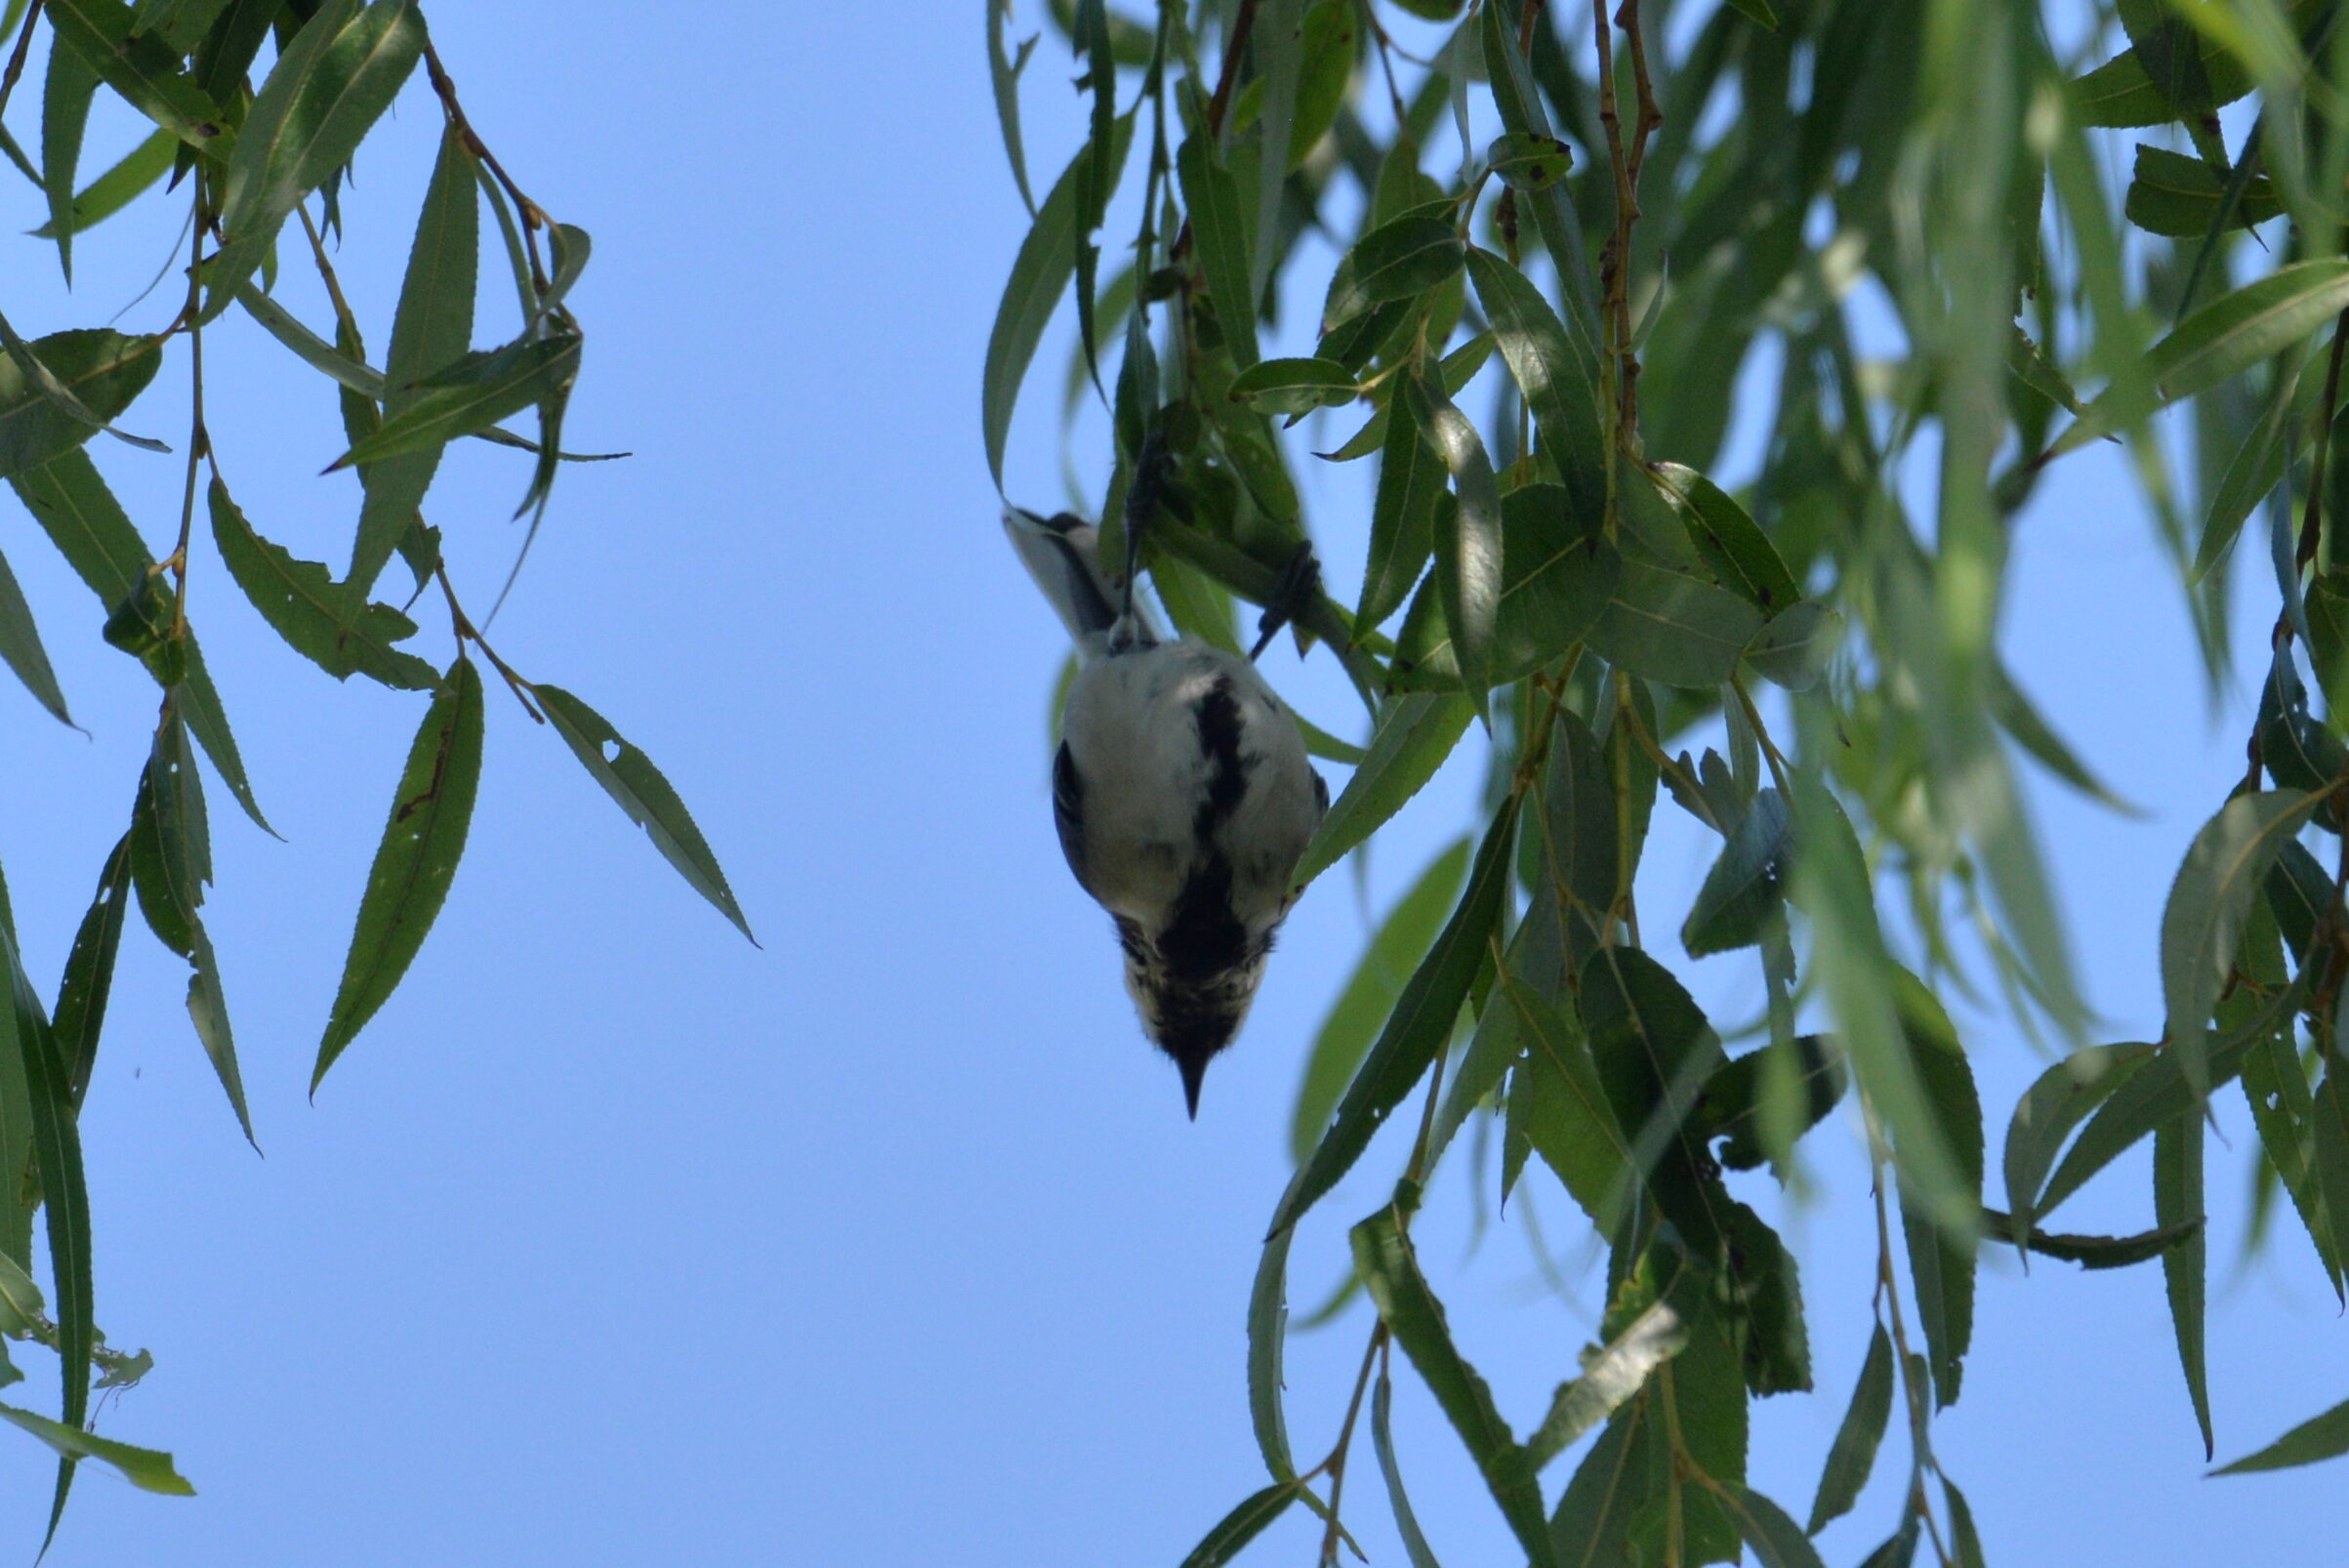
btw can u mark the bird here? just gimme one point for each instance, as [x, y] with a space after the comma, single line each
[1181, 791]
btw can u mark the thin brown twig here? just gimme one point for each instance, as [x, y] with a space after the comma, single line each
[1234, 47]
[523, 691]
[1334, 1466]
[533, 215]
[200, 442]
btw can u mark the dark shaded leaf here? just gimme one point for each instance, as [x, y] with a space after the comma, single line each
[1267, 1342]
[1743, 893]
[327, 88]
[629, 776]
[1413, 736]
[64, 115]
[1417, 1029]
[1383, 1438]
[1942, 1257]
[1294, 386]
[1398, 260]
[1527, 161]
[1853, 1454]
[329, 623]
[101, 371]
[1557, 573]
[2320, 1438]
[1468, 567]
[1403, 515]
[2173, 194]
[415, 862]
[2054, 1104]
[471, 396]
[89, 980]
[1243, 1524]
[1383, 1258]
[1219, 233]
[1672, 627]
[1741, 557]
[1558, 379]
[143, 70]
[20, 647]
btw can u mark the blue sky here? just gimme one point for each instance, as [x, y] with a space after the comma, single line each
[614, 1239]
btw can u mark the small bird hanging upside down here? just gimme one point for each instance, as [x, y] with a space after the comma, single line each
[1183, 795]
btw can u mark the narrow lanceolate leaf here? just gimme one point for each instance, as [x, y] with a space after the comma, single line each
[430, 332]
[1742, 893]
[2171, 193]
[627, 775]
[1383, 1438]
[329, 623]
[2252, 471]
[1294, 386]
[2322, 1437]
[415, 862]
[144, 70]
[1402, 941]
[65, 113]
[1556, 377]
[1557, 574]
[1219, 233]
[2051, 1108]
[1413, 736]
[1731, 543]
[1672, 627]
[1383, 1258]
[1417, 1029]
[111, 191]
[2224, 337]
[171, 838]
[1942, 1256]
[471, 395]
[1039, 274]
[1853, 1454]
[1403, 512]
[208, 1011]
[1761, 1523]
[1469, 553]
[1396, 260]
[2203, 923]
[344, 369]
[327, 90]
[81, 997]
[1267, 1344]
[1243, 1524]
[20, 647]
[1004, 70]
[100, 371]
[147, 1469]
[65, 1198]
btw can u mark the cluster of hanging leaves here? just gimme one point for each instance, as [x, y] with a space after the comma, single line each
[1586, 259]
[258, 107]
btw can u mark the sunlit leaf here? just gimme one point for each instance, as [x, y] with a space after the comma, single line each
[145, 1468]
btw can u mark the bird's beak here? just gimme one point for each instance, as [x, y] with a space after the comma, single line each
[1194, 1072]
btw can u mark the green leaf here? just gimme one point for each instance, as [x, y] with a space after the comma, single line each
[1671, 626]
[2251, 472]
[1368, 997]
[430, 330]
[1383, 1438]
[1761, 1523]
[1528, 161]
[65, 1198]
[1399, 259]
[2221, 340]
[1557, 573]
[1243, 1524]
[20, 647]
[630, 777]
[2173, 194]
[329, 623]
[1609, 1378]
[1740, 556]
[171, 838]
[1742, 894]
[89, 980]
[1468, 568]
[2320, 1438]
[1566, 1116]
[1417, 1029]
[1294, 386]
[100, 369]
[1004, 70]
[415, 862]
[1942, 1257]
[1038, 275]
[2055, 1104]
[313, 351]
[1966, 1538]
[326, 91]
[147, 1469]
[2203, 922]
[2120, 92]
[1738, 1106]
[2103, 1251]
[231, 45]
[471, 395]
[1793, 646]
[208, 1009]
[1414, 735]
[2327, 607]
[143, 70]
[1267, 1340]
[1557, 377]
[64, 115]
[1653, 1051]
[1757, 11]
[1403, 514]
[111, 191]
[1383, 1258]
[1220, 234]
[1853, 1454]
[2276, 1087]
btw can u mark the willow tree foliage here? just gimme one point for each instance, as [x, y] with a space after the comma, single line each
[1561, 231]
[258, 109]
